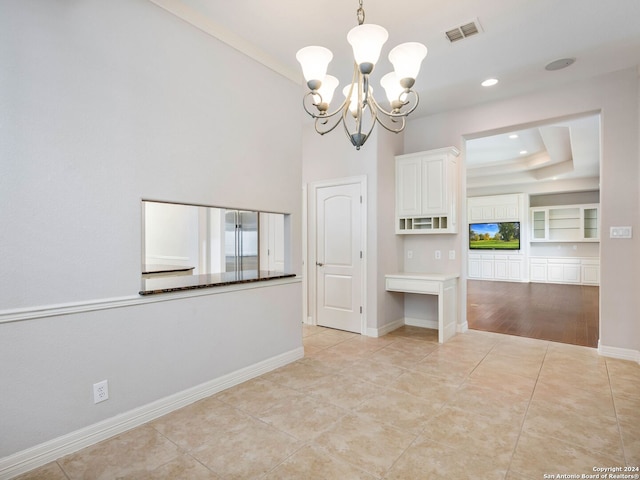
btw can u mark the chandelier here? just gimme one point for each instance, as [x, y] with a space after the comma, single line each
[360, 111]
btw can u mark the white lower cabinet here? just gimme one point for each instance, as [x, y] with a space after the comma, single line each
[538, 270]
[579, 271]
[590, 272]
[510, 268]
[487, 267]
[496, 267]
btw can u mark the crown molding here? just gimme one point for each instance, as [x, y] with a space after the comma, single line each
[206, 25]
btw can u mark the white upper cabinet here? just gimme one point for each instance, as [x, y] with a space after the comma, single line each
[427, 191]
[566, 223]
[408, 190]
[496, 208]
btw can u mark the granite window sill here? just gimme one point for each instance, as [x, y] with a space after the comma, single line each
[156, 285]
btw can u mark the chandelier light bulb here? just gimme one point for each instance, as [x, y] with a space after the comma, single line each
[367, 41]
[406, 59]
[327, 89]
[392, 88]
[314, 62]
[353, 100]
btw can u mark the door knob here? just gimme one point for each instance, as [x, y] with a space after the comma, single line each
[319, 264]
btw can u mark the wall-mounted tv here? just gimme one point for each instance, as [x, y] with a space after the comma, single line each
[494, 236]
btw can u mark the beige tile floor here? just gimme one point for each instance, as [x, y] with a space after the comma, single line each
[482, 406]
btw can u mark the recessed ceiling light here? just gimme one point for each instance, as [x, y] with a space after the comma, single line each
[523, 152]
[513, 136]
[489, 82]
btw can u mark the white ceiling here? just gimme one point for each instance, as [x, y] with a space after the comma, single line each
[563, 150]
[518, 38]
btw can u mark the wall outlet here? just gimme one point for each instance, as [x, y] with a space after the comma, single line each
[438, 254]
[452, 254]
[409, 254]
[100, 391]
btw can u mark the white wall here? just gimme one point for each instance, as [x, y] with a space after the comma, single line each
[102, 104]
[332, 156]
[616, 96]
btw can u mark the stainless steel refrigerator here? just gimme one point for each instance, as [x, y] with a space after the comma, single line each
[241, 240]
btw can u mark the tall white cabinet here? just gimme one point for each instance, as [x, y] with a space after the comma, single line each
[426, 192]
[507, 266]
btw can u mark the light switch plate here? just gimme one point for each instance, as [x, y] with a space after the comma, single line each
[620, 232]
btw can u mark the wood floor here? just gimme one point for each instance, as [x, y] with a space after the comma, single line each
[559, 313]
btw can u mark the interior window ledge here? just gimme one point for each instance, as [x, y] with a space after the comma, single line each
[155, 285]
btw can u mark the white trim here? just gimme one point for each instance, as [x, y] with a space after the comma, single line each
[206, 25]
[305, 264]
[620, 353]
[44, 453]
[44, 311]
[389, 327]
[420, 322]
[463, 327]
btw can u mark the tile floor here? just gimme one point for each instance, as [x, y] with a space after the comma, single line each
[482, 406]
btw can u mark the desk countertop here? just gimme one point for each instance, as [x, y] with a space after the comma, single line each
[438, 277]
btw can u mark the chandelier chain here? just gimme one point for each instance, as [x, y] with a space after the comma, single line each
[360, 13]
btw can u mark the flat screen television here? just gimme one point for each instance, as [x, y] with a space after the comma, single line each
[494, 236]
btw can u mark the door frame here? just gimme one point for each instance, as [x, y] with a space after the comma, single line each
[309, 246]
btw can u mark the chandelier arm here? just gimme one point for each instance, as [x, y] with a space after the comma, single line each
[361, 100]
[373, 108]
[393, 118]
[415, 105]
[325, 120]
[315, 115]
[400, 114]
[402, 121]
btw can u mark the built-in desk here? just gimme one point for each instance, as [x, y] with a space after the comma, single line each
[445, 286]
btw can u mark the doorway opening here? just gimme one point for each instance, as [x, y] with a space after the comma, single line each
[549, 287]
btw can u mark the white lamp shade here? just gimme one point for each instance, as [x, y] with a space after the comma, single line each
[353, 103]
[367, 41]
[406, 59]
[392, 86]
[314, 61]
[329, 85]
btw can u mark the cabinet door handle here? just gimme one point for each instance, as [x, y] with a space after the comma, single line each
[319, 264]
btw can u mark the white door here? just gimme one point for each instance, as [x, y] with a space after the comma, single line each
[339, 268]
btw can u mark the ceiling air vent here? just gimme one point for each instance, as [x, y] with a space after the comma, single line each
[463, 31]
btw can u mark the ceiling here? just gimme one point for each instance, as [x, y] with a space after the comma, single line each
[560, 151]
[518, 38]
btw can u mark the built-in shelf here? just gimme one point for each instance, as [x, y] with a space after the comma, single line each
[567, 223]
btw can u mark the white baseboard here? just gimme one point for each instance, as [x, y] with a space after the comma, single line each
[461, 328]
[621, 353]
[420, 322]
[389, 327]
[44, 453]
